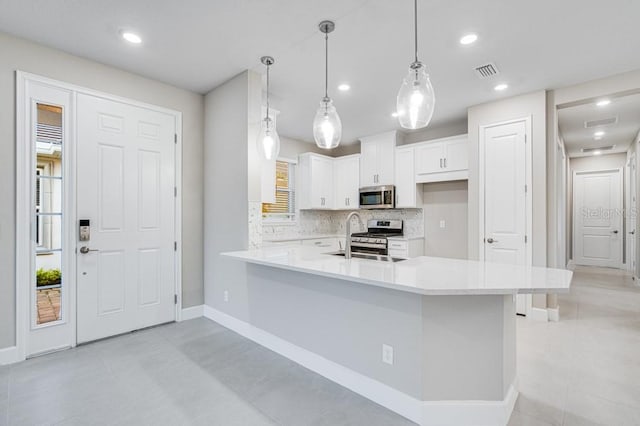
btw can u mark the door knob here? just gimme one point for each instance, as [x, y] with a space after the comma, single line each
[491, 240]
[85, 250]
[633, 232]
[615, 231]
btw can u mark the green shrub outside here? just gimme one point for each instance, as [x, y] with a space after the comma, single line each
[46, 277]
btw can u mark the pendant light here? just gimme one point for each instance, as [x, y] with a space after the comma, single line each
[327, 127]
[268, 142]
[416, 99]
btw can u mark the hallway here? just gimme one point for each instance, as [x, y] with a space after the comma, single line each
[584, 369]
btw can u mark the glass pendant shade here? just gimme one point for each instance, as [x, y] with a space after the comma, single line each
[268, 142]
[416, 99]
[327, 127]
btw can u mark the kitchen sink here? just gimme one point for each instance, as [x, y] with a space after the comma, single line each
[378, 257]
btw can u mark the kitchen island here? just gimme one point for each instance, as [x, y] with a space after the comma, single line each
[432, 339]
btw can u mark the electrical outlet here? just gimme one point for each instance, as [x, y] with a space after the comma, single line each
[226, 295]
[387, 354]
[442, 223]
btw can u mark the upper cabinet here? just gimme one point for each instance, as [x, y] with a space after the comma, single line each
[442, 160]
[346, 179]
[316, 181]
[327, 183]
[407, 195]
[377, 159]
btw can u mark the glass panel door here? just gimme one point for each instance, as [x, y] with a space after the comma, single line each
[48, 179]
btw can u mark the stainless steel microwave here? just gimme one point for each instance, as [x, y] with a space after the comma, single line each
[378, 197]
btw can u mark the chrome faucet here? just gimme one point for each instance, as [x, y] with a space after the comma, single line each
[347, 249]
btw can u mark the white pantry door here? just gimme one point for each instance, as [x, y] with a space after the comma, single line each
[505, 207]
[597, 218]
[126, 179]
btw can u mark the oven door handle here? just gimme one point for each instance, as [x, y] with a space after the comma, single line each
[368, 245]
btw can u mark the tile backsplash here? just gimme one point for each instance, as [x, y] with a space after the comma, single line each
[319, 222]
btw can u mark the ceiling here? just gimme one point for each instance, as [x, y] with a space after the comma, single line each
[576, 136]
[199, 44]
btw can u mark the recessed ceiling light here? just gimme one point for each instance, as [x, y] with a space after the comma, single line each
[599, 133]
[131, 37]
[344, 87]
[501, 87]
[469, 39]
[596, 153]
[603, 102]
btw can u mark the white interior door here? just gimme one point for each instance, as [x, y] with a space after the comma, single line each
[505, 207]
[125, 187]
[597, 218]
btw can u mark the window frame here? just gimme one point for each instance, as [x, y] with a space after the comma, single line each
[286, 219]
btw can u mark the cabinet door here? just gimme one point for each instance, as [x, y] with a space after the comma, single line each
[351, 182]
[405, 179]
[386, 151]
[457, 155]
[430, 158]
[321, 179]
[346, 182]
[368, 163]
[327, 187]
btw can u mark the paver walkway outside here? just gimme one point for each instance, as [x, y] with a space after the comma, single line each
[48, 305]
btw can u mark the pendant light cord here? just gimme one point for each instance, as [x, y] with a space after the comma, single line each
[268, 92]
[326, 65]
[415, 27]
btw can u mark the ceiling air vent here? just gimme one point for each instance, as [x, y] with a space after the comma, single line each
[601, 123]
[487, 70]
[602, 148]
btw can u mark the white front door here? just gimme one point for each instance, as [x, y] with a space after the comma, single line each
[505, 208]
[125, 188]
[597, 218]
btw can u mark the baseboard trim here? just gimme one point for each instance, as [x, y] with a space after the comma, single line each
[9, 355]
[192, 312]
[426, 413]
[554, 314]
[539, 314]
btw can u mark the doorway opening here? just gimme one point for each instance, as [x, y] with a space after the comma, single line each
[596, 168]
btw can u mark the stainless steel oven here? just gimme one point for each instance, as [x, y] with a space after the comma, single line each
[374, 241]
[378, 197]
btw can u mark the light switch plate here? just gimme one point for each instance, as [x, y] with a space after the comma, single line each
[387, 354]
[442, 223]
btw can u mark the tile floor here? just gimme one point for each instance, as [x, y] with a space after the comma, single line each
[584, 370]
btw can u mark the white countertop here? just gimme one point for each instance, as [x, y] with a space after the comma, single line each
[421, 275]
[275, 239]
[407, 238]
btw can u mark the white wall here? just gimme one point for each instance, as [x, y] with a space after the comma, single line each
[446, 201]
[528, 105]
[18, 54]
[231, 186]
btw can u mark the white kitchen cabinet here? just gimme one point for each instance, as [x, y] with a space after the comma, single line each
[377, 159]
[442, 160]
[346, 180]
[405, 248]
[315, 189]
[407, 194]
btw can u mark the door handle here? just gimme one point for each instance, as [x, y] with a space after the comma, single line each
[445, 163]
[491, 240]
[85, 250]
[441, 163]
[615, 231]
[633, 232]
